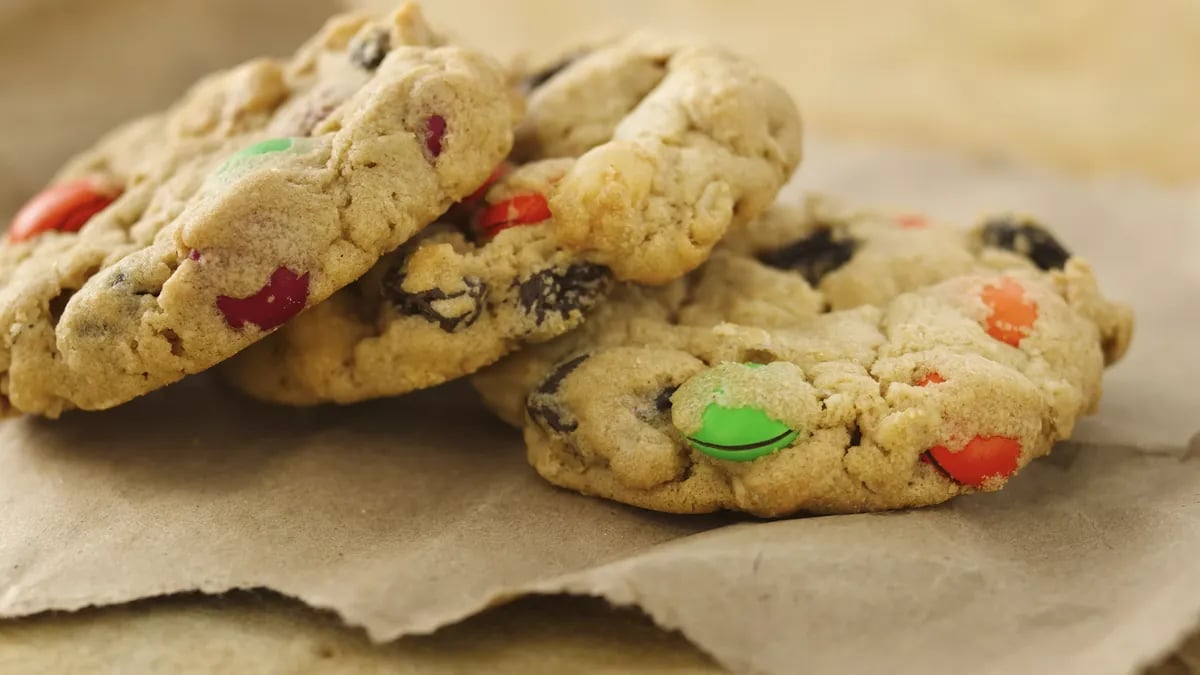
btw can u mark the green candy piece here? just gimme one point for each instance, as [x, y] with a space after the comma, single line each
[739, 434]
[267, 146]
[260, 148]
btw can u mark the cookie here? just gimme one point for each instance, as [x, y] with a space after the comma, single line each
[631, 162]
[272, 186]
[824, 361]
[675, 143]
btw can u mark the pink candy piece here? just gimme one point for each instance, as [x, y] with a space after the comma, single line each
[435, 130]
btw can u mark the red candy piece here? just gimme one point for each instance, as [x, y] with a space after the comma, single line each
[1012, 315]
[497, 174]
[282, 298]
[520, 210]
[65, 207]
[435, 130]
[933, 377]
[912, 221]
[982, 458]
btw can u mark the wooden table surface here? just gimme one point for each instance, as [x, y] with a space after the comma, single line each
[1082, 86]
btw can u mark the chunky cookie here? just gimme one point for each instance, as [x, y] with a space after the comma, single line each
[812, 367]
[266, 189]
[632, 161]
[675, 143]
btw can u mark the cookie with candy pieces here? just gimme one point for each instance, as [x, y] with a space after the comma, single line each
[631, 162]
[267, 188]
[810, 368]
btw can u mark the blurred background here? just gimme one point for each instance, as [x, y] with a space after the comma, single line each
[1086, 87]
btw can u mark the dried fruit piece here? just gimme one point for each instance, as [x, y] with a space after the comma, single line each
[983, 458]
[520, 210]
[1026, 238]
[912, 221]
[65, 207]
[280, 299]
[1012, 315]
[816, 255]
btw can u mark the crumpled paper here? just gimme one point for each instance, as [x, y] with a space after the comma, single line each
[407, 514]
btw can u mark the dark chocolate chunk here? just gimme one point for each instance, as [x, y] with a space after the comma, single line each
[421, 303]
[662, 403]
[537, 79]
[563, 291]
[542, 403]
[814, 256]
[855, 436]
[367, 51]
[554, 380]
[547, 414]
[1026, 238]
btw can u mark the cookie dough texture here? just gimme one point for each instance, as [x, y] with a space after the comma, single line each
[642, 153]
[264, 190]
[440, 307]
[890, 344]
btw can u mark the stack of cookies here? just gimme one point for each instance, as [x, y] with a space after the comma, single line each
[596, 245]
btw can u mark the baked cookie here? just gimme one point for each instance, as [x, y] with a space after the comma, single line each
[823, 361]
[631, 162]
[684, 141]
[273, 185]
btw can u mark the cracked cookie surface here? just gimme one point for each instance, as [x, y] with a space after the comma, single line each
[631, 162]
[827, 361]
[186, 236]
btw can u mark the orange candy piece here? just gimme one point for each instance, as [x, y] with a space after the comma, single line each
[982, 458]
[933, 377]
[520, 210]
[912, 221]
[1012, 315]
[65, 207]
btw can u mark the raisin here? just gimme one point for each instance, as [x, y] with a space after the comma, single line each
[367, 51]
[1026, 238]
[421, 302]
[542, 403]
[814, 256]
[560, 291]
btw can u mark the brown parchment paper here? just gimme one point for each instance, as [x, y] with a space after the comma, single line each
[408, 514]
